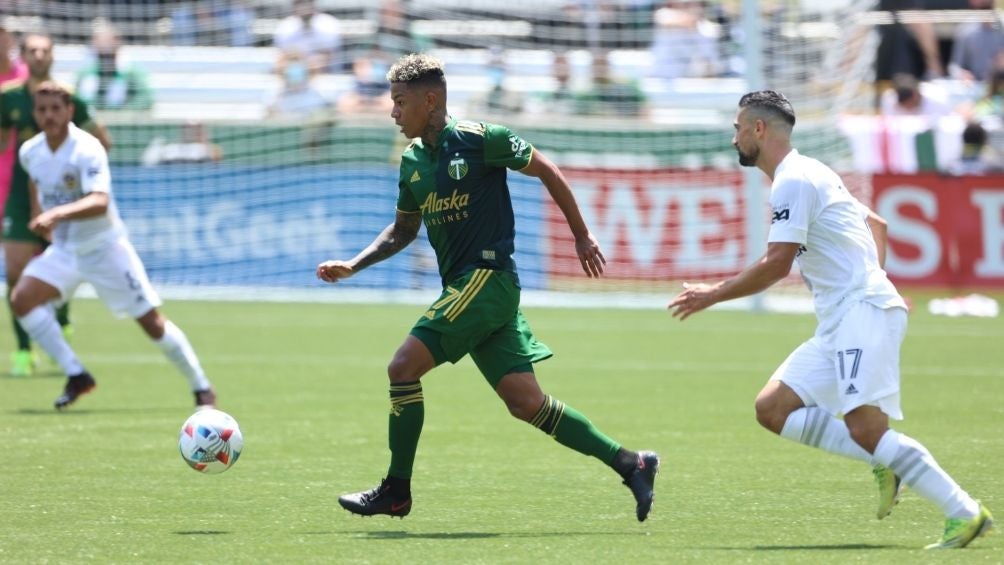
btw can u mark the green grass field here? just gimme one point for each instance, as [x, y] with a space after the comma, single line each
[104, 482]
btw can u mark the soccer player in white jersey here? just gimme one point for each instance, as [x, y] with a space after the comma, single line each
[72, 206]
[851, 365]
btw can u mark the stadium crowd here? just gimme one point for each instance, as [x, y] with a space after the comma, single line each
[663, 62]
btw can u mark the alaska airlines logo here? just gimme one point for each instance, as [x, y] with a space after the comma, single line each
[458, 168]
[455, 201]
[780, 216]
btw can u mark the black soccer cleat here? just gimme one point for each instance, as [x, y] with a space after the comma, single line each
[378, 500]
[76, 386]
[642, 482]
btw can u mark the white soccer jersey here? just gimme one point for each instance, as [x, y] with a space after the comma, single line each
[838, 258]
[78, 167]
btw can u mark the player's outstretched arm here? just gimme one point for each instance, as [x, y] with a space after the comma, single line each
[90, 205]
[586, 246]
[772, 267]
[392, 239]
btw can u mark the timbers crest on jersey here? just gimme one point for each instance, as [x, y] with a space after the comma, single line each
[457, 168]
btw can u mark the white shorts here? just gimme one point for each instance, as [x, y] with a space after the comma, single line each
[115, 272]
[855, 365]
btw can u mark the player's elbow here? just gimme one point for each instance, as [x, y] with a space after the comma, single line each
[776, 268]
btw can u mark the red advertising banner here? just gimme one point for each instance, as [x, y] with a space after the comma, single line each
[655, 225]
[944, 231]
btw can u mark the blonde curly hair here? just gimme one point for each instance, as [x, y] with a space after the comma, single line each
[417, 68]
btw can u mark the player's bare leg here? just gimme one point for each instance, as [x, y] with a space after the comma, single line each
[176, 347]
[32, 301]
[526, 401]
[16, 257]
[780, 410]
[392, 496]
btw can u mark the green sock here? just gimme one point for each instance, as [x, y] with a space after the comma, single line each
[407, 413]
[63, 315]
[570, 428]
[23, 339]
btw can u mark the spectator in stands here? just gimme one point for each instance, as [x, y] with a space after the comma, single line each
[311, 34]
[213, 22]
[370, 90]
[394, 35]
[976, 44]
[907, 97]
[561, 100]
[499, 100]
[977, 158]
[298, 98]
[12, 69]
[905, 48]
[108, 84]
[684, 41]
[610, 96]
[193, 146]
[990, 107]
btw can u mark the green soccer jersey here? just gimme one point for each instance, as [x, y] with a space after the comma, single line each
[460, 189]
[16, 105]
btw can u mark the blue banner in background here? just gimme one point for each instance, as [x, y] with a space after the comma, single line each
[222, 225]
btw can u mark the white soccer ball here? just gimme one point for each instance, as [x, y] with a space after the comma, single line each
[210, 441]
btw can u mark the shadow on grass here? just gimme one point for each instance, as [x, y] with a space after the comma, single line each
[401, 535]
[39, 374]
[201, 533]
[833, 547]
[76, 411]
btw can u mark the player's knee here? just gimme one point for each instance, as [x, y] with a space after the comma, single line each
[523, 408]
[21, 302]
[402, 370]
[866, 433]
[769, 414]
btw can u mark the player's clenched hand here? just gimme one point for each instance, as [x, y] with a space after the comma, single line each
[590, 256]
[693, 299]
[334, 271]
[43, 223]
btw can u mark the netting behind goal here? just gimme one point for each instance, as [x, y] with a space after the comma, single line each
[229, 194]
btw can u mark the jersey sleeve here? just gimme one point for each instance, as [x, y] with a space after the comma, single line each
[405, 199]
[503, 148]
[792, 204]
[94, 173]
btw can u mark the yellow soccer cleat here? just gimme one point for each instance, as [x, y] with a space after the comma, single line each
[22, 363]
[960, 531]
[890, 486]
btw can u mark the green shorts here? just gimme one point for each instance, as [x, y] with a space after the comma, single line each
[478, 314]
[17, 213]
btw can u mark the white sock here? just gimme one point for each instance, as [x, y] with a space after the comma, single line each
[41, 325]
[915, 465]
[179, 352]
[816, 427]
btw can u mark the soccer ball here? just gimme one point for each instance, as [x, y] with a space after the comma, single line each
[210, 441]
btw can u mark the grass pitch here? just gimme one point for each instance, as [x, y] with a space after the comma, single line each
[104, 483]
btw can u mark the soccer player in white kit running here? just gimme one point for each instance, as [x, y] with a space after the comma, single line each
[851, 365]
[72, 206]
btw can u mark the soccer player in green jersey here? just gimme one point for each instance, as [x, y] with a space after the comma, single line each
[453, 178]
[20, 244]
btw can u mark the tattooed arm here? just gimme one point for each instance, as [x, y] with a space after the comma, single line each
[392, 239]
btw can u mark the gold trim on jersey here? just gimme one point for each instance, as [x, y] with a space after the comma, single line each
[470, 290]
[471, 127]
